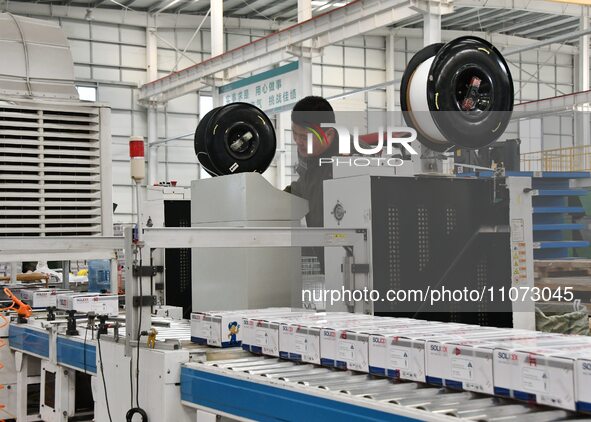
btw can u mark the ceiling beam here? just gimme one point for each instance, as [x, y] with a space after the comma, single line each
[133, 18]
[356, 18]
[555, 22]
[539, 6]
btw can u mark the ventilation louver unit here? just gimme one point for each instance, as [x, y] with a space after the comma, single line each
[55, 175]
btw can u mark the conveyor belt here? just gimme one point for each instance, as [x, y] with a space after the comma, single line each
[262, 388]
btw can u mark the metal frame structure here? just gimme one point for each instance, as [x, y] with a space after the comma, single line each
[64, 248]
[138, 319]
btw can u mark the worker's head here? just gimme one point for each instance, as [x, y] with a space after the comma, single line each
[306, 117]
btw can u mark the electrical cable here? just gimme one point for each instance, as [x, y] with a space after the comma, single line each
[5, 322]
[84, 349]
[98, 340]
[139, 334]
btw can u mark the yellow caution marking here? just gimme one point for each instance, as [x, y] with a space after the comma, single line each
[485, 50]
[215, 128]
[437, 100]
[497, 128]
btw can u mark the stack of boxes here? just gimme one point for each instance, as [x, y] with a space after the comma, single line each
[100, 304]
[550, 369]
[41, 298]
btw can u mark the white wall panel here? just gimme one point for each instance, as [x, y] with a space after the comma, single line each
[354, 78]
[106, 73]
[133, 36]
[183, 36]
[76, 29]
[354, 56]
[140, 127]
[137, 77]
[179, 152]
[81, 72]
[104, 32]
[333, 55]
[178, 124]
[166, 59]
[120, 123]
[80, 51]
[375, 59]
[234, 40]
[332, 76]
[375, 77]
[105, 54]
[375, 42]
[117, 97]
[185, 104]
[133, 56]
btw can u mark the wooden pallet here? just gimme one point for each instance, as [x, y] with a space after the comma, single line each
[562, 268]
[578, 284]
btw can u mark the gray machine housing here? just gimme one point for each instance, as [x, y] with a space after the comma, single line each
[244, 278]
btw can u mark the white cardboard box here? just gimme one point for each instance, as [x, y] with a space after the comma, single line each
[402, 355]
[41, 298]
[353, 345]
[329, 336]
[468, 363]
[223, 328]
[540, 371]
[300, 340]
[583, 381]
[100, 304]
[261, 332]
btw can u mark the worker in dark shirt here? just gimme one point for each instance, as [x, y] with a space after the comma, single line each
[306, 117]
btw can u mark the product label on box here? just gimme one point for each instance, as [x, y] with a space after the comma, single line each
[300, 343]
[398, 358]
[346, 350]
[462, 369]
[535, 379]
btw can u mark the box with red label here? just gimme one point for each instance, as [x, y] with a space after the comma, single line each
[100, 304]
[402, 355]
[330, 335]
[261, 332]
[41, 298]
[223, 328]
[540, 371]
[300, 340]
[583, 380]
[467, 363]
[353, 345]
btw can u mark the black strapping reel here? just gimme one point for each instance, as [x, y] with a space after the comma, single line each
[235, 138]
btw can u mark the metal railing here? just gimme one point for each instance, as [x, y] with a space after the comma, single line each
[576, 158]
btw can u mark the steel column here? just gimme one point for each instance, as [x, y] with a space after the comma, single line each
[582, 115]
[152, 111]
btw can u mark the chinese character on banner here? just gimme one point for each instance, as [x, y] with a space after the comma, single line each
[228, 99]
[265, 89]
[278, 99]
[292, 94]
[272, 100]
[278, 84]
[285, 96]
[240, 96]
[271, 86]
[259, 103]
[233, 97]
[258, 90]
[246, 94]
